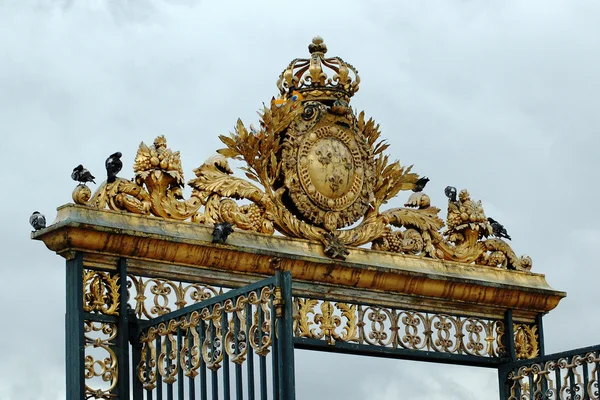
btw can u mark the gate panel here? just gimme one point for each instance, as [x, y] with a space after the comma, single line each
[233, 346]
[570, 375]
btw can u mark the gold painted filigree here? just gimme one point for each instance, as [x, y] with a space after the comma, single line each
[207, 335]
[100, 360]
[394, 328]
[100, 292]
[573, 377]
[526, 341]
[153, 297]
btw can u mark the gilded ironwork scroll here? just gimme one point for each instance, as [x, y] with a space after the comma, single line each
[101, 292]
[204, 337]
[570, 376]
[153, 297]
[396, 328]
[101, 367]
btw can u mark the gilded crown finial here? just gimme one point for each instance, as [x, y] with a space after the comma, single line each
[309, 76]
[317, 46]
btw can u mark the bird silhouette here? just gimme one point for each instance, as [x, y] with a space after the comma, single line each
[420, 184]
[498, 229]
[113, 166]
[221, 231]
[37, 221]
[450, 193]
[82, 175]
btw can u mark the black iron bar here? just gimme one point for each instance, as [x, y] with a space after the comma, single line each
[75, 338]
[224, 331]
[159, 386]
[123, 334]
[169, 366]
[596, 354]
[586, 379]
[557, 381]
[148, 355]
[531, 386]
[203, 380]
[262, 372]
[540, 328]
[250, 359]
[275, 356]
[191, 382]
[214, 374]
[388, 352]
[571, 375]
[137, 387]
[239, 391]
[180, 382]
[287, 339]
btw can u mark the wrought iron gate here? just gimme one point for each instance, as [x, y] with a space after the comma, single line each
[235, 345]
[448, 291]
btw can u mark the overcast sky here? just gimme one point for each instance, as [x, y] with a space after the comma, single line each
[500, 97]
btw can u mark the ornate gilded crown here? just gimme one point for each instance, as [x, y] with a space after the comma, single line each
[308, 76]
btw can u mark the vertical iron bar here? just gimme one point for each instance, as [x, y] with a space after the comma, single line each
[543, 381]
[224, 331]
[250, 361]
[178, 365]
[214, 376]
[148, 355]
[262, 357]
[531, 388]
[75, 339]
[159, 390]
[596, 354]
[503, 384]
[557, 380]
[572, 384]
[203, 383]
[191, 383]
[510, 336]
[122, 340]
[540, 326]
[168, 360]
[287, 340]
[275, 357]
[137, 387]
[586, 379]
[239, 391]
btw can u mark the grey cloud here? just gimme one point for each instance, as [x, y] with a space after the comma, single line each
[496, 97]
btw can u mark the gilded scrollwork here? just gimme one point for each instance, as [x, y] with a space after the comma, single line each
[526, 341]
[153, 297]
[100, 361]
[315, 170]
[207, 336]
[100, 292]
[573, 377]
[394, 328]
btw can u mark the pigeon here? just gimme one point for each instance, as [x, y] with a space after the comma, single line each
[113, 166]
[498, 229]
[82, 175]
[221, 232]
[450, 192]
[420, 184]
[37, 220]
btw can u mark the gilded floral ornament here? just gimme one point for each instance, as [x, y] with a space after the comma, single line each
[314, 169]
